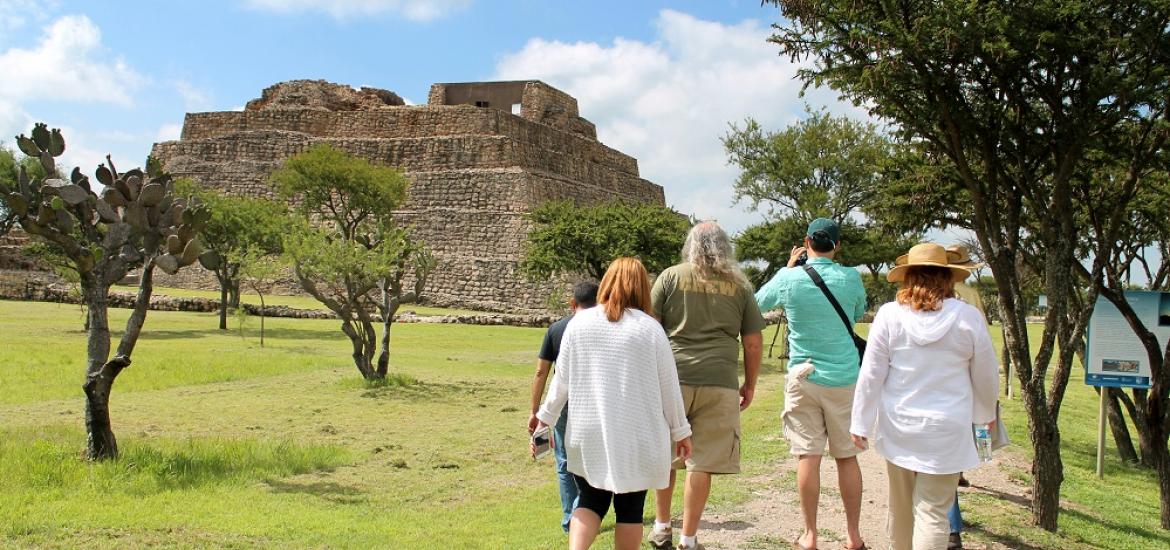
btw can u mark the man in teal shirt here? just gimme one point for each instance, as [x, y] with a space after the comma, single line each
[823, 367]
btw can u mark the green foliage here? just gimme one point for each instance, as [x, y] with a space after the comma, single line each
[239, 228]
[820, 167]
[343, 190]
[10, 165]
[1011, 102]
[770, 244]
[823, 166]
[570, 238]
[346, 245]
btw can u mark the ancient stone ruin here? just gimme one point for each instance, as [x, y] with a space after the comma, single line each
[479, 156]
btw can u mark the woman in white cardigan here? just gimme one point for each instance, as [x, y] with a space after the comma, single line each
[617, 369]
[929, 373]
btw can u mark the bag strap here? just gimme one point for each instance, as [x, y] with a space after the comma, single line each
[817, 280]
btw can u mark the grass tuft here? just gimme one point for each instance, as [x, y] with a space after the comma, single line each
[50, 461]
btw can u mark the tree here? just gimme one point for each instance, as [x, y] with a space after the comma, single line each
[346, 246]
[1126, 223]
[10, 166]
[571, 238]
[1006, 99]
[238, 226]
[136, 221]
[258, 267]
[823, 166]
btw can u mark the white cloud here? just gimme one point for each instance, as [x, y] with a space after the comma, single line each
[414, 10]
[668, 102]
[66, 65]
[169, 132]
[15, 14]
[194, 99]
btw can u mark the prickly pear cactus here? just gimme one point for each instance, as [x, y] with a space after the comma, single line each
[129, 218]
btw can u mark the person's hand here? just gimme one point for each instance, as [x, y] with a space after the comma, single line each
[746, 395]
[532, 444]
[796, 252]
[860, 442]
[991, 427]
[683, 448]
[532, 423]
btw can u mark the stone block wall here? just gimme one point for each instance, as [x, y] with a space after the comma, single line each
[475, 172]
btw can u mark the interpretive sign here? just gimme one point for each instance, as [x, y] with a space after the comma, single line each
[1115, 356]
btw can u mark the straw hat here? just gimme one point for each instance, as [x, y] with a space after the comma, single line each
[957, 255]
[926, 254]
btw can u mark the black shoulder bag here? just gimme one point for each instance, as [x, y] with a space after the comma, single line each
[817, 280]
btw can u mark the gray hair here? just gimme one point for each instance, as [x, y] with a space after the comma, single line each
[709, 250]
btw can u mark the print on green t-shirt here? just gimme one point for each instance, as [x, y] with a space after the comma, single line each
[704, 320]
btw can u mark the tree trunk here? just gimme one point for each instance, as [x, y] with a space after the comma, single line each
[1162, 468]
[1047, 468]
[1121, 436]
[262, 311]
[1006, 360]
[223, 304]
[99, 377]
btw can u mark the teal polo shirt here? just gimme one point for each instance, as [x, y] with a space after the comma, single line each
[815, 331]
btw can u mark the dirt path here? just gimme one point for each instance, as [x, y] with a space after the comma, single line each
[771, 518]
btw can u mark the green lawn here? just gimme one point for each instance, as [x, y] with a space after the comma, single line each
[228, 445]
[297, 301]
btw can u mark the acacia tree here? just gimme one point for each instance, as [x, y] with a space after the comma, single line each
[239, 226]
[571, 238]
[1119, 236]
[135, 222]
[1009, 97]
[347, 251]
[823, 166]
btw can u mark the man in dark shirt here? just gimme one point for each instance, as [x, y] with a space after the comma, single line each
[584, 297]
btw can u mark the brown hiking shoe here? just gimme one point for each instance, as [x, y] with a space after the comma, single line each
[659, 538]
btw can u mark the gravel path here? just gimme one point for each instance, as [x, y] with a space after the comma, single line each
[771, 518]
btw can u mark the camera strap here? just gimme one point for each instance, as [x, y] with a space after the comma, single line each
[817, 280]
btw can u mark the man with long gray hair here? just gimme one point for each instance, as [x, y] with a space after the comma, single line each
[706, 306]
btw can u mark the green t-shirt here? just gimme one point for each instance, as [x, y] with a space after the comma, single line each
[704, 320]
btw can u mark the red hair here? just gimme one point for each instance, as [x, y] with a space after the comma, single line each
[925, 287]
[626, 284]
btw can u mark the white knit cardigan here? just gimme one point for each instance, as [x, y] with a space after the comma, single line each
[627, 408]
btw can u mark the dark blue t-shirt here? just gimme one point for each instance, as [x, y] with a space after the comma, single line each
[550, 348]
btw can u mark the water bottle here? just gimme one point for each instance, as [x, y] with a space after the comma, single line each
[983, 442]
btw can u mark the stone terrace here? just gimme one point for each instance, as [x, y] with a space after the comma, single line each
[479, 157]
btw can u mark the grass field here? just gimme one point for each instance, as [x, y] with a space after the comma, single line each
[297, 301]
[227, 445]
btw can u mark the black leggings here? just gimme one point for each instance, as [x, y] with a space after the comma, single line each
[627, 507]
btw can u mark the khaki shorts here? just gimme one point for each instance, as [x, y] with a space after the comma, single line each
[713, 412]
[815, 414]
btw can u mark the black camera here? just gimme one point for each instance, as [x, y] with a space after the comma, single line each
[802, 259]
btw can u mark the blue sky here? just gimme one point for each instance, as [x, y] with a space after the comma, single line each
[661, 79]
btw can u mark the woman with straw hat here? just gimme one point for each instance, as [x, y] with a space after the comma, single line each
[928, 374]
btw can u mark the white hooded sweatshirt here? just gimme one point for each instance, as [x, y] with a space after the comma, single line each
[926, 377]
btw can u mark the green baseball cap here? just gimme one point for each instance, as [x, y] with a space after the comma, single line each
[824, 227]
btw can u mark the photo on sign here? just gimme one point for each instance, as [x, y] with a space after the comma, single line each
[1119, 365]
[1164, 310]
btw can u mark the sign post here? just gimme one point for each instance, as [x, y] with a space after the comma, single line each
[1114, 357]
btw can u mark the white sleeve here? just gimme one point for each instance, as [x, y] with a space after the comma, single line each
[984, 371]
[558, 389]
[875, 366]
[672, 402]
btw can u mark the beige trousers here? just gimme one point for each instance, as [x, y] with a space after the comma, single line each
[918, 508]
